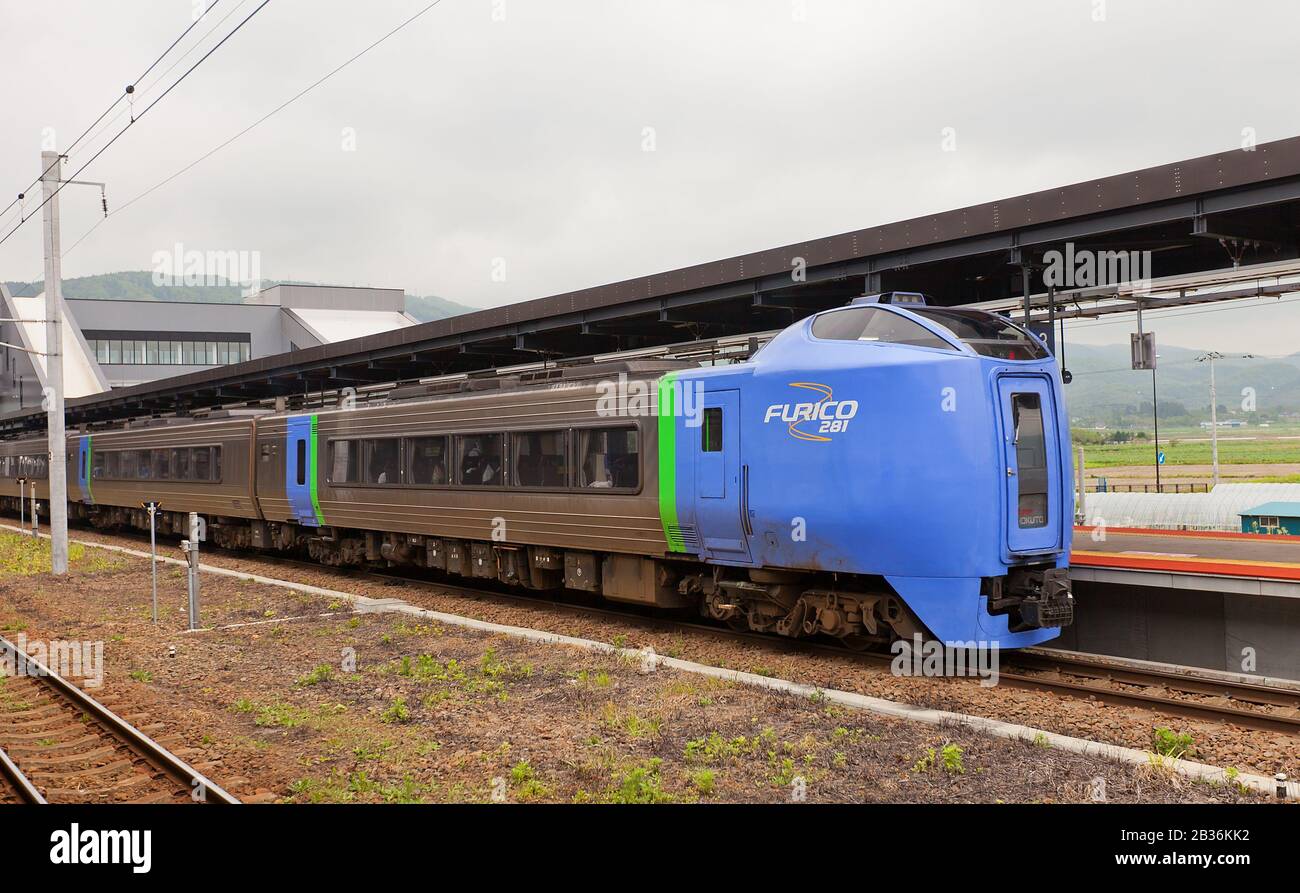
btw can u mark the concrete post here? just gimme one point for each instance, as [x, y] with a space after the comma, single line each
[52, 165]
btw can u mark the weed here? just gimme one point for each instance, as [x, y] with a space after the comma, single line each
[396, 712]
[951, 756]
[322, 673]
[280, 715]
[640, 784]
[525, 782]
[1169, 743]
[703, 781]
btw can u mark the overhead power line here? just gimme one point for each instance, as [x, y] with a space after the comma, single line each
[292, 99]
[114, 104]
[139, 117]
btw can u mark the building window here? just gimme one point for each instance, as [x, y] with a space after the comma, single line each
[1268, 521]
[169, 352]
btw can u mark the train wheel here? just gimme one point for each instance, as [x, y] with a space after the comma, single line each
[858, 643]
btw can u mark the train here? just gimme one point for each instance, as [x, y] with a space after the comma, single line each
[875, 472]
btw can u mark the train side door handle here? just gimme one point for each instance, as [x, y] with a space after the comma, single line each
[745, 526]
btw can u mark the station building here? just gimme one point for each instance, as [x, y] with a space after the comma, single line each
[119, 343]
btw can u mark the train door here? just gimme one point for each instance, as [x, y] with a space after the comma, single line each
[84, 471]
[300, 469]
[1030, 453]
[719, 496]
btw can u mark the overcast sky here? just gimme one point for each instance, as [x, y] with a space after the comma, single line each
[511, 135]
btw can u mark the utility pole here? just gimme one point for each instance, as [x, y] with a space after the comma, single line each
[1214, 415]
[51, 181]
[1210, 357]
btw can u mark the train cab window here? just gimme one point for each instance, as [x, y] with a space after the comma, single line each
[1031, 460]
[345, 462]
[426, 460]
[381, 462]
[987, 333]
[481, 459]
[609, 458]
[541, 459]
[875, 324]
[302, 462]
[711, 430]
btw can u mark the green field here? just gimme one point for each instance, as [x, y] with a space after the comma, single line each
[1183, 452]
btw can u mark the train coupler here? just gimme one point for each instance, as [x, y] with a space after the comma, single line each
[1041, 596]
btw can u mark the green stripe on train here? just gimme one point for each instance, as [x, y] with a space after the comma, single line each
[666, 406]
[311, 476]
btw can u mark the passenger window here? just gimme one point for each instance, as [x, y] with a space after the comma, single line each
[541, 459]
[711, 431]
[140, 465]
[302, 462]
[161, 464]
[426, 460]
[481, 458]
[345, 462]
[181, 465]
[610, 458]
[113, 465]
[875, 324]
[202, 464]
[381, 461]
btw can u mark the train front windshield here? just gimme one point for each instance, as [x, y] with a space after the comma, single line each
[986, 333]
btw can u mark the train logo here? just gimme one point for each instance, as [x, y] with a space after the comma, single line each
[814, 421]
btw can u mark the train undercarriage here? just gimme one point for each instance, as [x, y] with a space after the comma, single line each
[861, 612]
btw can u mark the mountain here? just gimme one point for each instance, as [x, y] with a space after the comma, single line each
[138, 285]
[1106, 391]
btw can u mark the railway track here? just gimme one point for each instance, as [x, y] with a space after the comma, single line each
[60, 745]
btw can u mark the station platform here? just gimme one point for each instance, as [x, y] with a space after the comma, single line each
[1245, 563]
[1226, 601]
